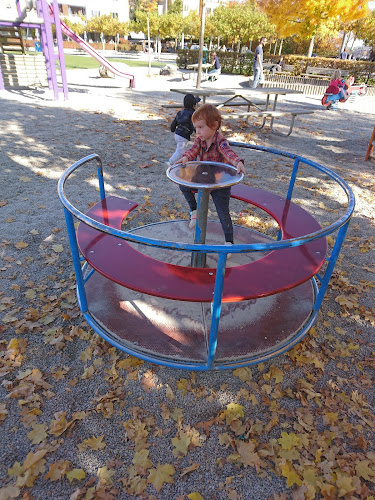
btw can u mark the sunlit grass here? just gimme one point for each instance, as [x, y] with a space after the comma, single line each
[84, 62]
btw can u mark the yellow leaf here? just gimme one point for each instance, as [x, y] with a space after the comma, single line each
[78, 474]
[344, 483]
[234, 411]
[181, 444]
[162, 474]
[16, 470]
[363, 470]
[288, 441]
[58, 426]
[105, 475]
[21, 244]
[9, 491]
[195, 496]
[24, 179]
[275, 373]
[243, 374]
[192, 468]
[291, 475]
[57, 470]
[30, 294]
[33, 458]
[141, 459]
[169, 393]
[129, 362]
[94, 443]
[184, 385]
[57, 248]
[38, 434]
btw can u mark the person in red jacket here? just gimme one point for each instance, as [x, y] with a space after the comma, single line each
[337, 91]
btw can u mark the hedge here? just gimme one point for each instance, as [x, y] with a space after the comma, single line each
[242, 64]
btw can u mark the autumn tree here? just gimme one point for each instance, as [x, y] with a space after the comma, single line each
[240, 23]
[107, 25]
[146, 8]
[365, 28]
[308, 18]
[77, 27]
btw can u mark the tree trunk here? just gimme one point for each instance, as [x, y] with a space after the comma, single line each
[311, 46]
[182, 40]
[210, 46]
[202, 9]
[149, 47]
[274, 49]
[343, 42]
[281, 46]
[218, 43]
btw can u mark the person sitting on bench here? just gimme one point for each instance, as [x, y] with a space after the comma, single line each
[279, 67]
[214, 73]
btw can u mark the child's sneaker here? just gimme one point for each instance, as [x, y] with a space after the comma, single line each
[227, 243]
[193, 219]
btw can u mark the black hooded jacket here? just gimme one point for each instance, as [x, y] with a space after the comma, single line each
[182, 124]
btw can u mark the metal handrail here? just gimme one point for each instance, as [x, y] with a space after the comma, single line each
[252, 247]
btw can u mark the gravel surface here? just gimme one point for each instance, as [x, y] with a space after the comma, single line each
[81, 420]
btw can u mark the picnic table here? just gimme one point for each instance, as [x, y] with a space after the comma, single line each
[205, 68]
[239, 97]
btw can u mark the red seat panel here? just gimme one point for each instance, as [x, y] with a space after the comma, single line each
[277, 271]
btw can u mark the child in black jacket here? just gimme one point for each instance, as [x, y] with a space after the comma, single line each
[183, 127]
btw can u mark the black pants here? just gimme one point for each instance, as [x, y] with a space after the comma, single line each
[221, 198]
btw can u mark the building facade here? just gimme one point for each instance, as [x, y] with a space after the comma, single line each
[118, 9]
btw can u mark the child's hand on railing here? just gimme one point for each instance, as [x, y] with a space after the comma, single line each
[241, 167]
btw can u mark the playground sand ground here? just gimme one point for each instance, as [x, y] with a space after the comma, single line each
[144, 407]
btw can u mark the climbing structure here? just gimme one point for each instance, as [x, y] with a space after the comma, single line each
[18, 68]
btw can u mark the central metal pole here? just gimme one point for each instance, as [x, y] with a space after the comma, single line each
[199, 259]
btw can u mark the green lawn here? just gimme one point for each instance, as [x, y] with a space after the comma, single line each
[84, 62]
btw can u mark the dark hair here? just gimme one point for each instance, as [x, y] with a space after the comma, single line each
[209, 113]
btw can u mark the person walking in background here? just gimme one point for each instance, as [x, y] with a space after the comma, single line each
[183, 127]
[344, 54]
[258, 63]
[214, 73]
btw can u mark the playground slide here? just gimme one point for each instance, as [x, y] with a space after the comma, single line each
[103, 61]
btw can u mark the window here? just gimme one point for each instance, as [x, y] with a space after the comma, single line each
[114, 15]
[95, 13]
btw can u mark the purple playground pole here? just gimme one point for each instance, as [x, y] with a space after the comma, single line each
[60, 48]
[1, 80]
[47, 46]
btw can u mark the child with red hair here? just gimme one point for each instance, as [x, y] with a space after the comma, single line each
[211, 145]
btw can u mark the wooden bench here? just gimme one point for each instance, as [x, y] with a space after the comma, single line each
[277, 271]
[371, 145]
[270, 114]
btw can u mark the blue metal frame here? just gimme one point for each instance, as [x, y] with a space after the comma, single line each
[341, 225]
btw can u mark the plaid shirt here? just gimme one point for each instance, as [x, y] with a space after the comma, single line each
[218, 151]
